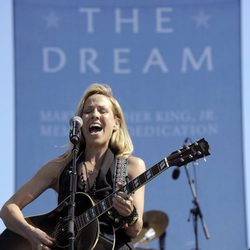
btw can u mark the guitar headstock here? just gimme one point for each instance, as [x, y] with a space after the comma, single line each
[189, 153]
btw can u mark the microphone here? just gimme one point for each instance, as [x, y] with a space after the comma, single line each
[75, 127]
[176, 173]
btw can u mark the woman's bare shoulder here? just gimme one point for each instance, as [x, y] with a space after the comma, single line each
[136, 166]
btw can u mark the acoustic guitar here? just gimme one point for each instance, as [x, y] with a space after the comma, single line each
[90, 231]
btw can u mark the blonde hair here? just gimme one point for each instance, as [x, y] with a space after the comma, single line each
[120, 142]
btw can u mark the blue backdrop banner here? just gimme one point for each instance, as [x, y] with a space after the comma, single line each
[174, 66]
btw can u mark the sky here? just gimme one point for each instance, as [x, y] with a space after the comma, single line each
[7, 145]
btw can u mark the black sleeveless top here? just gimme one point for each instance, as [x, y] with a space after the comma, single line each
[102, 187]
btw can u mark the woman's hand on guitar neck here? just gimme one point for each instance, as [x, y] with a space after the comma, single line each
[123, 203]
[39, 239]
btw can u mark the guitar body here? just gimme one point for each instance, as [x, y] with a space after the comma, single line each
[96, 235]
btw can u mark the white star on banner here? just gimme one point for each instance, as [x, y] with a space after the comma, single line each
[52, 20]
[201, 19]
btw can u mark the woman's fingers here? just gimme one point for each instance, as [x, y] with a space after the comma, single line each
[123, 203]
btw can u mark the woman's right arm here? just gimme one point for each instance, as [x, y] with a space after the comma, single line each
[12, 215]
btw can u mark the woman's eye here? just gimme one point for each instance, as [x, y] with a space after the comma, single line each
[87, 111]
[103, 111]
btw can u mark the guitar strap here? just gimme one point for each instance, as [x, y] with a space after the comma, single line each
[121, 172]
[120, 176]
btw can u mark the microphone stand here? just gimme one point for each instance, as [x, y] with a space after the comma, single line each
[71, 210]
[196, 211]
[162, 241]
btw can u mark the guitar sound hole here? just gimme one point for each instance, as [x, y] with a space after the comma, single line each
[61, 234]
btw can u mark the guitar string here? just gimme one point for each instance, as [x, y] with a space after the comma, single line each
[62, 234]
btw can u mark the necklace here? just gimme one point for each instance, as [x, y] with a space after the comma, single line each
[85, 173]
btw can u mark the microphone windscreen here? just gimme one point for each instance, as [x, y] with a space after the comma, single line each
[76, 119]
[176, 173]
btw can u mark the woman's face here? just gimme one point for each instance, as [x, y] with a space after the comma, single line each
[98, 121]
